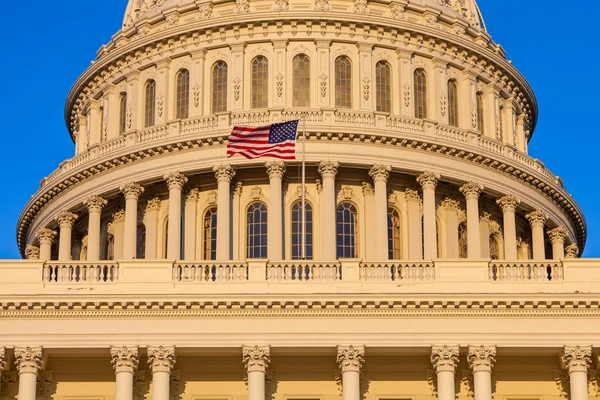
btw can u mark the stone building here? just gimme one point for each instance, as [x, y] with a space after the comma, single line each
[442, 261]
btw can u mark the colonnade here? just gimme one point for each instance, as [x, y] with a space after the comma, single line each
[328, 170]
[576, 360]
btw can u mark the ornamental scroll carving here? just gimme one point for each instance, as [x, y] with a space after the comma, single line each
[537, 217]
[237, 88]
[471, 189]
[361, 7]
[2, 359]
[67, 218]
[161, 359]
[124, 359]
[175, 180]
[443, 102]
[444, 358]
[558, 235]
[572, 251]
[328, 168]
[380, 172]
[577, 358]
[322, 5]
[366, 87]
[428, 179]
[196, 90]
[132, 190]
[350, 358]
[95, 203]
[28, 359]
[275, 169]
[46, 235]
[508, 203]
[323, 84]
[481, 358]
[242, 7]
[406, 93]
[32, 252]
[224, 173]
[256, 358]
[279, 84]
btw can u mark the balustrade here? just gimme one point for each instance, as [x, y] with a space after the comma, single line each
[105, 272]
[210, 272]
[451, 133]
[153, 133]
[195, 125]
[397, 271]
[526, 272]
[250, 118]
[409, 125]
[304, 271]
[310, 115]
[355, 118]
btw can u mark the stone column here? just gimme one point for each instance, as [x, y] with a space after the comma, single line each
[484, 233]
[380, 175]
[191, 228]
[28, 361]
[572, 251]
[161, 360]
[413, 205]
[151, 222]
[175, 183]
[481, 360]
[224, 174]
[428, 181]
[65, 219]
[445, 360]
[125, 362]
[132, 192]
[557, 238]
[350, 360]
[32, 252]
[276, 170]
[451, 206]
[82, 134]
[471, 190]
[509, 204]
[117, 228]
[537, 220]
[577, 360]
[94, 204]
[328, 171]
[2, 361]
[256, 361]
[46, 238]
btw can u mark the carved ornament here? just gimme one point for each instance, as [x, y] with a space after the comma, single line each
[444, 358]
[328, 169]
[224, 173]
[161, 359]
[471, 190]
[576, 358]
[481, 358]
[537, 218]
[508, 203]
[256, 358]
[153, 204]
[67, 218]
[572, 251]
[95, 203]
[558, 235]
[46, 235]
[380, 172]
[132, 190]
[275, 169]
[28, 359]
[428, 180]
[350, 358]
[124, 359]
[175, 180]
[32, 252]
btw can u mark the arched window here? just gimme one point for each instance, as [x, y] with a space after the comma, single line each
[420, 94]
[346, 230]
[210, 234]
[453, 103]
[256, 234]
[343, 82]
[122, 113]
[260, 82]
[480, 113]
[110, 247]
[149, 103]
[182, 94]
[383, 86]
[297, 231]
[140, 247]
[462, 240]
[394, 234]
[301, 81]
[494, 247]
[219, 87]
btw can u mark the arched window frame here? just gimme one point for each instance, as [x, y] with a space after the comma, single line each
[347, 248]
[259, 82]
[149, 103]
[256, 240]
[219, 80]
[182, 94]
[122, 113]
[296, 230]
[463, 249]
[209, 233]
[394, 224]
[343, 82]
[453, 103]
[480, 112]
[383, 86]
[420, 93]
[301, 72]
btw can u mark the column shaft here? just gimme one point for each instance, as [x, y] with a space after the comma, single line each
[471, 190]
[130, 237]
[428, 181]
[256, 385]
[190, 231]
[45, 250]
[161, 381]
[351, 385]
[275, 169]
[328, 171]
[579, 385]
[510, 235]
[93, 253]
[445, 381]
[415, 251]
[64, 242]
[482, 380]
[124, 383]
[380, 175]
[224, 174]
[175, 182]
[537, 220]
[27, 386]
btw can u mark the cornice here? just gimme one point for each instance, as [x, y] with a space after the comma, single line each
[541, 184]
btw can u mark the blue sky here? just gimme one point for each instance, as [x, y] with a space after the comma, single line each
[49, 45]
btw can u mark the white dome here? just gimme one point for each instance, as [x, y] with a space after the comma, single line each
[468, 9]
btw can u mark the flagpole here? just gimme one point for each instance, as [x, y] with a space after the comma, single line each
[303, 186]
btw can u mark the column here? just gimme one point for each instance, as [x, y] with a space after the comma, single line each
[537, 220]
[445, 360]
[365, 53]
[413, 206]
[572, 251]
[224, 174]
[32, 252]
[163, 92]
[46, 238]
[471, 190]
[324, 96]
[236, 66]
[94, 204]
[577, 360]
[117, 228]
[151, 223]
[451, 207]
[350, 360]
[197, 82]
[557, 238]
[406, 82]
[468, 105]
[2, 361]
[256, 361]
[509, 122]
[481, 360]
[428, 181]
[328, 171]
[125, 362]
[521, 139]
[380, 175]
[190, 230]
[28, 361]
[161, 360]
[484, 233]
[82, 134]
[509, 204]
[94, 121]
[175, 182]
[440, 88]
[276, 170]
[65, 219]
[132, 192]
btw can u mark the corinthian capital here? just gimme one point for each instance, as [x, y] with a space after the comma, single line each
[328, 168]
[428, 180]
[275, 169]
[224, 173]
[256, 358]
[451, 204]
[471, 189]
[46, 235]
[175, 180]
[380, 172]
[28, 359]
[124, 359]
[132, 190]
[2, 359]
[572, 251]
[412, 194]
[444, 358]
[153, 204]
[161, 359]
[350, 358]
[95, 203]
[577, 358]
[67, 218]
[537, 217]
[508, 203]
[118, 216]
[32, 252]
[481, 358]
[558, 234]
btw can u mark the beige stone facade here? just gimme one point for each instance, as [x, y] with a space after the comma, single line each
[441, 260]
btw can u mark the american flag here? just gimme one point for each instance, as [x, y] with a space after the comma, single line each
[275, 140]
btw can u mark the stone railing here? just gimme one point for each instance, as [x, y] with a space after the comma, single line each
[210, 272]
[250, 118]
[301, 271]
[310, 114]
[405, 124]
[73, 272]
[397, 271]
[360, 118]
[200, 124]
[451, 133]
[526, 271]
[151, 134]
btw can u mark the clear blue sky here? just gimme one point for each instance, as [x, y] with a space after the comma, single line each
[47, 46]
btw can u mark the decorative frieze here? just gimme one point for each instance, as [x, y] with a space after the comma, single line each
[350, 358]
[576, 358]
[444, 358]
[175, 180]
[481, 358]
[28, 359]
[124, 359]
[161, 359]
[132, 190]
[256, 358]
